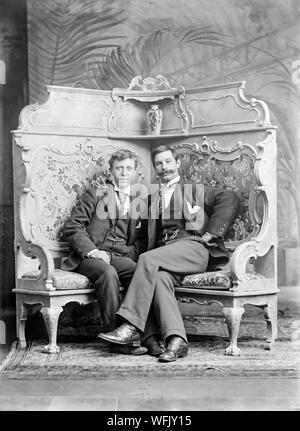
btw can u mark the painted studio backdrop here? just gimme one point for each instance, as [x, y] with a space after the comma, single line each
[102, 44]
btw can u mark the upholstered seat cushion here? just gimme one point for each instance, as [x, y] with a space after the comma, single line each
[64, 280]
[218, 280]
[208, 280]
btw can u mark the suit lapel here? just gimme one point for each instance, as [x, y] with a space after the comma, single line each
[133, 221]
[109, 204]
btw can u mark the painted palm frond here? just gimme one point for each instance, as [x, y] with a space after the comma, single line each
[68, 35]
[161, 50]
[281, 80]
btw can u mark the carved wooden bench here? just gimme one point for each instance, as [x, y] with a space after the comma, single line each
[63, 145]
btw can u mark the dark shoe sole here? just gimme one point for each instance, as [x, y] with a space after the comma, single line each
[128, 350]
[172, 359]
[136, 343]
[155, 348]
[156, 354]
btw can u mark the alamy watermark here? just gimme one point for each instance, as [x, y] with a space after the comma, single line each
[188, 204]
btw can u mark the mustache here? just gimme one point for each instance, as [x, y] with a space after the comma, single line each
[170, 171]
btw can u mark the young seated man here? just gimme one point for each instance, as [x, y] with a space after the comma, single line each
[106, 240]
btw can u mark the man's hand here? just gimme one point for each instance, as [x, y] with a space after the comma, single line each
[99, 254]
[207, 238]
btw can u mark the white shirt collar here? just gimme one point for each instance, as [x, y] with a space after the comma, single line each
[126, 190]
[171, 183]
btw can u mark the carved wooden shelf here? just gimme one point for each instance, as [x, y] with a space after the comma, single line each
[188, 135]
[151, 137]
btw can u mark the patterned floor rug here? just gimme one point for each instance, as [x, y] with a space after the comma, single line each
[91, 359]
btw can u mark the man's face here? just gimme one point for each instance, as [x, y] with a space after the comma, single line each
[123, 172]
[166, 166]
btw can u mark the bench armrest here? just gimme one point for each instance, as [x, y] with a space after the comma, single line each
[46, 262]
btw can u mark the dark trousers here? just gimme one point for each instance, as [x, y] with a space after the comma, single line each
[107, 279]
[152, 286]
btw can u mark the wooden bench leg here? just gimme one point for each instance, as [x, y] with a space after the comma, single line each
[51, 316]
[22, 313]
[233, 317]
[270, 314]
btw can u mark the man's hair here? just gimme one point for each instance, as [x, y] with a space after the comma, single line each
[122, 155]
[162, 149]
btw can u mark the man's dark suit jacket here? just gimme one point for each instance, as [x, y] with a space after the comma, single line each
[85, 231]
[219, 207]
[90, 223]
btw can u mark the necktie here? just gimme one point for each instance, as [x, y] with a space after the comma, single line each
[122, 203]
[160, 202]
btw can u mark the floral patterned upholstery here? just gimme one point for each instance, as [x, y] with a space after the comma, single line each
[217, 280]
[236, 175]
[59, 179]
[64, 280]
[208, 280]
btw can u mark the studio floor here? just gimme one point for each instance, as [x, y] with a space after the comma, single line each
[278, 391]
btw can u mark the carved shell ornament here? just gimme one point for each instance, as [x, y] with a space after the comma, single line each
[149, 84]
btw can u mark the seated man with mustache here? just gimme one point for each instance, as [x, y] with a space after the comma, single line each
[182, 239]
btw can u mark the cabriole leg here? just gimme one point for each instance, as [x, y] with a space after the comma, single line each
[233, 317]
[51, 316]
[270, 314]
[22, 313]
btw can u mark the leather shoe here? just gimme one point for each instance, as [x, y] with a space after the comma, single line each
[177, 348]
[154, 346]
[128, 350]
[124, 334]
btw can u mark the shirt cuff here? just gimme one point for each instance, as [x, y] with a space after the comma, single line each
[212, 234]
[91, 252]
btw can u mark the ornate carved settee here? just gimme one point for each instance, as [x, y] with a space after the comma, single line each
[63, 145]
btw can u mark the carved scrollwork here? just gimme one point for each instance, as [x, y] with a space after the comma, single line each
[46, 262]
[215, 148]
[261, 116]
[79, 108]
[147, 90]
[195, 147]
[211, 146]
[254, 103]
[183, 113]
[25, 116]
[265, 174]
[190, 300]
[149, 84]
[34, 306]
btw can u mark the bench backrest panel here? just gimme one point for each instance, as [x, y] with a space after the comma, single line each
[63, 146]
